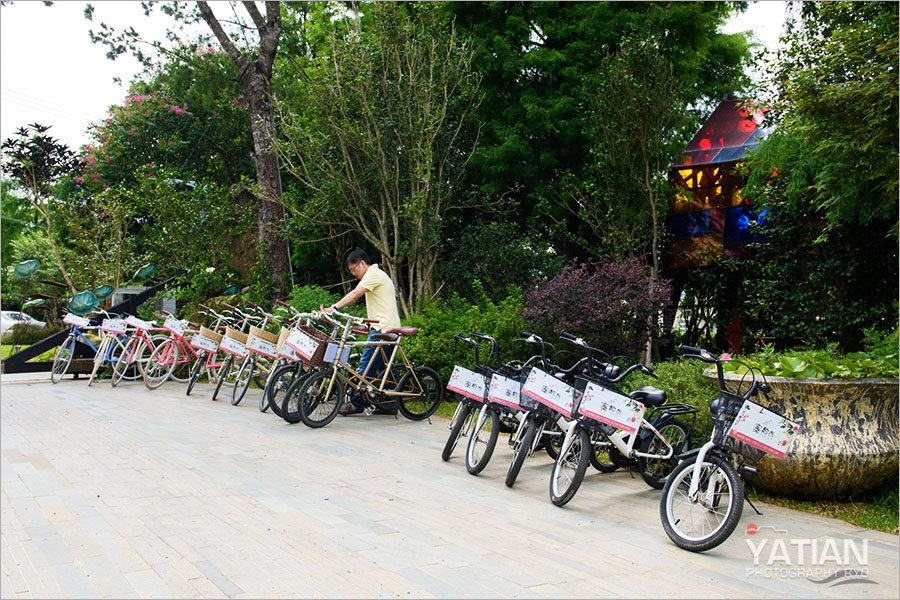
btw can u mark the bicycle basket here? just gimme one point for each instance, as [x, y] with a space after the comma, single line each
[210, 334]
[261, 333]
[318, 356]
[236, 335]
[282, 336]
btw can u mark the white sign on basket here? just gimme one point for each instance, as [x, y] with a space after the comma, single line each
[139, 323]
[331, 353]
[174, 325]
[303, 344]
[467, 383]
[505, 391]
[204, 343]
[261, 346]
[550, 391]
[607, 406]
[763, 429]
[113, 325]
[233, 347]
[288, 353]
[76, 320]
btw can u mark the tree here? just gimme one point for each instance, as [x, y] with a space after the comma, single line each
[36, 161]
[382, 134]
[255, 63]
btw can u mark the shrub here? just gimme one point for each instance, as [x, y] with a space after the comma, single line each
[28, 335]
[608, 303]
[440, 321]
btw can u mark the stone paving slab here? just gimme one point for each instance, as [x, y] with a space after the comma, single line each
[130, 493]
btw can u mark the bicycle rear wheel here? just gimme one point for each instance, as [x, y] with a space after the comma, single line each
[160, 364]
[63, 359]
[319, 404]
[228, 372]
[568, 470]
[482, 442]
[195, 373]
[654, 471]
[426, 384]
[290, 402]
[707, 520]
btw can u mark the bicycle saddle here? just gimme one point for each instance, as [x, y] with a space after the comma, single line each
[392, 334]
[649, 396]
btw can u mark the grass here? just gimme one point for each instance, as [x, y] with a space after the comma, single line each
[6, 350]
[877, 510]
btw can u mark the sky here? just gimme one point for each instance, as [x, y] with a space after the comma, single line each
[51, 73]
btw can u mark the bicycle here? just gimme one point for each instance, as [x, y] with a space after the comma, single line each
[702, 500]
[605, 416]
[234, 343]
[206, 342]
[469, 401]
[417, 392]
[137, 349]
[261, 359]
[172, 354]
[67, 349]
[112, 344]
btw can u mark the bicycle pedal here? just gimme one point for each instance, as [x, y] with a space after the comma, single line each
[369, 410]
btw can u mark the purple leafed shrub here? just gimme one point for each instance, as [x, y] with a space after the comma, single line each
[613, 305]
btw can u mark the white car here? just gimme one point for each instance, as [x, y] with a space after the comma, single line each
[10, 318]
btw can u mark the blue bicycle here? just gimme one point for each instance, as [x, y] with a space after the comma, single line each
[80, 305]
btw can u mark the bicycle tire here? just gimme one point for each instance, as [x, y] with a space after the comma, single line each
[160, 364]
[655, 471]
[318, 405]
[132, 371]
[125, 360]
[679, 514]
[100, 357]
[280, 382]
[290, 407]
[426, 383]
[223, 375]
[600, 457]
[522, 450]
[482, 443]
[569, 468]
[63, 359]
[460, 423]
[242, 381]
[195, 373]
[181, 370]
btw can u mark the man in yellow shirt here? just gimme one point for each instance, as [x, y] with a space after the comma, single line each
[381, 304]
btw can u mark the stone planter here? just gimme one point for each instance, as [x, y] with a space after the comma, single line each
[849, 437]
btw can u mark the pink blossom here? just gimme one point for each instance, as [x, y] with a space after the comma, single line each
[725, 356]
[105, 185]
[94, 176]
[151, 163]
[132, 130]
[109, 121]
[79, 180]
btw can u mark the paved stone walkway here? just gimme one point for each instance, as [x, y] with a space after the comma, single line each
[127, 493]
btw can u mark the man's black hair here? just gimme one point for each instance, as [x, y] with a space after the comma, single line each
[356, 256]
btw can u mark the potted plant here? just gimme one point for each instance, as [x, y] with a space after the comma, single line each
[847, 406]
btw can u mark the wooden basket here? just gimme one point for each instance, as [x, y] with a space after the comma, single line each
[236, 335]
[210, 334]
[324, 340]
[282, 336]
[261, 333]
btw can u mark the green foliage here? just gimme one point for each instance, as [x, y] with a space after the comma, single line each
[307, 298]
[496, 254]
[34, 244]
[29, 334]
[440, 321]
[819, 364]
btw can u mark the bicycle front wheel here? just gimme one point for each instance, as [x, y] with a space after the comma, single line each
[319, 399]
[278, 384]
[100, 358]
[160, 364]
[705, 521]
[63, 359]
[125, 363]
[482, 442]
[522, 450]
[460, 426]
[425, 383]
[244, 376]
[568, 470]
[195, 373]
[228, 372]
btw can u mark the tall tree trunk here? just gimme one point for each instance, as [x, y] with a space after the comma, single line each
[256, 83]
